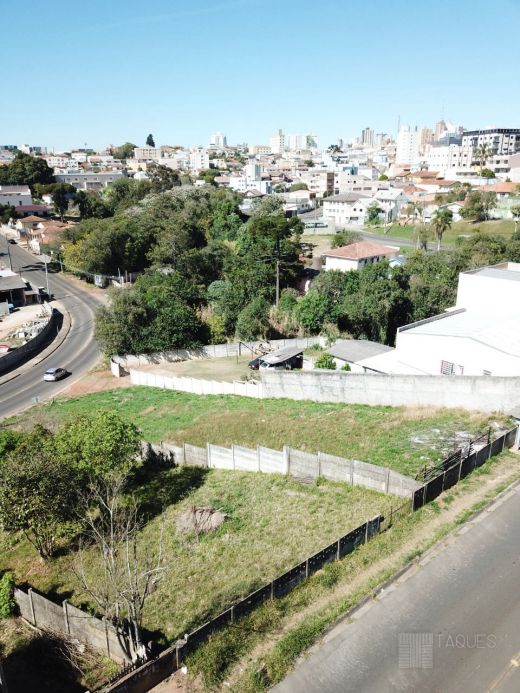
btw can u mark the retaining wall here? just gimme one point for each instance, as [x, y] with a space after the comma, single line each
[214, 351]
[197, 386]
[67, 620]
[296, 463]
[480, 393]
[18, 356]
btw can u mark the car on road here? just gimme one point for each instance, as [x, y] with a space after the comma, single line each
[53, 374]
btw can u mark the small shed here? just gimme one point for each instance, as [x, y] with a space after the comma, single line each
[287, 358]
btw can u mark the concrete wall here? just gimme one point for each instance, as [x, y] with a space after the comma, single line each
[296, 463]
[482, 393]
[214, 351]
[72, 622]
[198, 386]
[18, 356]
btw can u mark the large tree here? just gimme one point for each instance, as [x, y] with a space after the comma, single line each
[441, 222]
[150, 142]
[26, 169]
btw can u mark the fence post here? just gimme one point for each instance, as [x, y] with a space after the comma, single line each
[29, 593]
[460, 470]
[233, 455]
[337, 550]
[272, 590]
[307, 568]
[319, 464]
[208, 454]
[387, 481]
[258, 458]
[184, 453]
[232, 610]
[366, 531]
[66, 617]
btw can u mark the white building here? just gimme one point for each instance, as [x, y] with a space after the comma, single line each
[89, 181]
[218, 139]
[348, 209]
[356, 255]
[277, 142]
[408, 147]
[479, 336]
[15, 195]
[261, 149]
[199, 159]
[498, 140]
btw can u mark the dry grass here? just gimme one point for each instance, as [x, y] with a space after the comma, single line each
[226, 368]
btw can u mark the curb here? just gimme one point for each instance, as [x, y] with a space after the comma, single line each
[49, 349]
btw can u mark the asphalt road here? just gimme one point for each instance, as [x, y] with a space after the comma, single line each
[78, 352]
[450, 625]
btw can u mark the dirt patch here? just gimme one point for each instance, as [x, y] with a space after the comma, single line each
[200, 520]
[96, 381]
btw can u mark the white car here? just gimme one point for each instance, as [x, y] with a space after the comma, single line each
[52, 374]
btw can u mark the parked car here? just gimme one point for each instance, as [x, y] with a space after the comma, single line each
[52, 374]
[254, 365]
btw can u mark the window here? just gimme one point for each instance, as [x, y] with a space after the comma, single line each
[447, 368]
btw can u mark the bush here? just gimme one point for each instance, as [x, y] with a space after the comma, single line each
[325, 361]
[7, 603]
[346, 367]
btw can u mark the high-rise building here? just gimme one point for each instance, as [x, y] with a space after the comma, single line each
[380, 139]
[426, 139]
[277, 142]
[440, 129]
[498, 140]
[408, 145]
[367, 137]
[218, 139]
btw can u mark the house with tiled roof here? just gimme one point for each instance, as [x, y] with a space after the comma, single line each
[356, 255]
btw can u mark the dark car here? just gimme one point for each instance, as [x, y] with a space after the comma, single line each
[52, 374]
[254, 365]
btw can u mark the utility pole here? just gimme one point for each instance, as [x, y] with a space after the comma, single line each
[277, 281]
[9, 256]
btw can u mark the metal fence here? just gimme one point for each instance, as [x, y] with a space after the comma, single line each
[449, 472]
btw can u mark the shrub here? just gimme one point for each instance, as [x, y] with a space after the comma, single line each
[7, 603]
[346, 367]
[325, 361]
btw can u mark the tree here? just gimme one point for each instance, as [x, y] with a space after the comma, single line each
[334, 149]
[128, 570]
[60, 198]
[38, 492]
[209, 175]
[253, 320]
[383, 176]
[345, 238]
[312, 311]
[99, 444]
[373, 212]
[8, 212]
[298, 186]
[441, 222]
[163, 177]
[482, 154]
[478, 205]
[150, 141]
[487, 173]
[325, 360]
[309, 163]
[26, 170]
[124, 151]
[422, 234]
[90, 205]
[515, 213]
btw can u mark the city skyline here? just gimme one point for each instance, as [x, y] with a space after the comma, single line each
[111, 74]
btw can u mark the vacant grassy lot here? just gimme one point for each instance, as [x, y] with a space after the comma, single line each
[227, 368]
[272, 523]
[401, 438]
[499, 227]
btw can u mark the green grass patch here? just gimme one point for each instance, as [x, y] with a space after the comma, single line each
[499, 227]
[401, 438]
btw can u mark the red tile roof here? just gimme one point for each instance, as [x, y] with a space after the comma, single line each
[362, 250]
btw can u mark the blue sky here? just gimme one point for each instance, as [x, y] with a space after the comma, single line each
[108, 71]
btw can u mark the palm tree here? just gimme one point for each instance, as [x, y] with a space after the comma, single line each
[482, 153]
[515, 211]
[441, 222]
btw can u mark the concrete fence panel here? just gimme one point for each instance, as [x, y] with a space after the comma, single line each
[271, 461]
[303, 464]
[336, 468]
[195, 456]
[370, 476]
[246, 459]
[220, 458]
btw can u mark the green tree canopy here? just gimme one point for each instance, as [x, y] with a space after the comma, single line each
[26, 170]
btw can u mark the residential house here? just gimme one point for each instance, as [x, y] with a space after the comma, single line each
[356, 255]
[353, 351]
[347, 209]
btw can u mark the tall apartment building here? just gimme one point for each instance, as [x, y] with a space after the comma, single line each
[500, 141]
[277, 142]
[408, 146]
[367, 137]
[218, 139]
